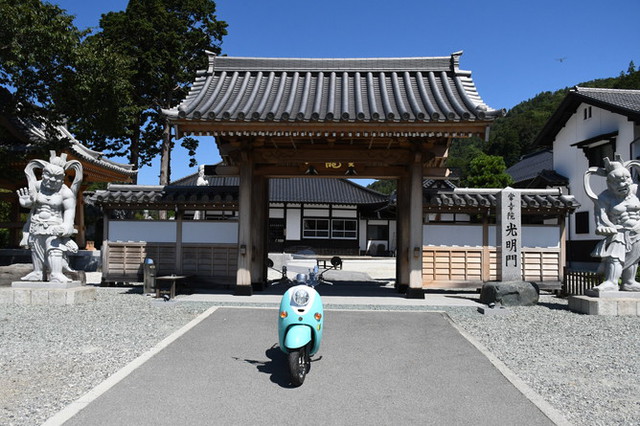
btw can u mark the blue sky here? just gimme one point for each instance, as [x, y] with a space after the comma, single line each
[514, 49]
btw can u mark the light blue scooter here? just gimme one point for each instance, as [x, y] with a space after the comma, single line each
[300, 324]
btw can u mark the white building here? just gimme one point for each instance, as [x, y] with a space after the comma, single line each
[589, 125]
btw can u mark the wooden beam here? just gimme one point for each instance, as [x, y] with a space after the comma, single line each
[363, 172]
[213, 128]
[415, 225]
[320, 154]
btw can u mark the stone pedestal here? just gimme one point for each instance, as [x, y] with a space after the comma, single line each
[615, 303]
[45, 293]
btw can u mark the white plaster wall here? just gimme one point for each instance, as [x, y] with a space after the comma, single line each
[540, 236]
[471, 235]
[293, 224]
[452, 235]
[276, 213]
[141, 230]
[571, 162]
[316, 213]
[344, 213]
[210, 232]
[362, 234]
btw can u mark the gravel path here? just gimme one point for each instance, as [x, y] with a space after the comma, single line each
[584, 366]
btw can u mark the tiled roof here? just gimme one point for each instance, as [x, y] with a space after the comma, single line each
[548, 178]
[235, 89]
[225, 190]
[34, 132]
[619, 101]
[322, 191]
[531, 165]
[137, 196]
[532, 201]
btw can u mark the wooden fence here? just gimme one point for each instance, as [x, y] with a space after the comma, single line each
[575, 283]
[209, 263]
[471, 266]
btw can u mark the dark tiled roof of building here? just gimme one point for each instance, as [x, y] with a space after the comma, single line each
[303, 190]
[225, 190]
[531, 165]
[619, 101]
[333, 90]
[548, 178]
[322, 191]
[191, 180]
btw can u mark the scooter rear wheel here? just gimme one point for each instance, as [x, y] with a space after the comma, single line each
[298, 365]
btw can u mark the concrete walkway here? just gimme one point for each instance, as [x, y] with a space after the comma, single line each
[372, 368]
[361, 281]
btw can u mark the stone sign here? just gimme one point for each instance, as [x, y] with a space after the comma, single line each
[509, 289]
[509, 235]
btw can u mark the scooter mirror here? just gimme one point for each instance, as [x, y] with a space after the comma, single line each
[336, 261]
[269, 263]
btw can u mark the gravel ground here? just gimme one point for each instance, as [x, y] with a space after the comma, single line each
[584, 366]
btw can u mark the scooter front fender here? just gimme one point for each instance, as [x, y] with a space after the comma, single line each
[297, 336]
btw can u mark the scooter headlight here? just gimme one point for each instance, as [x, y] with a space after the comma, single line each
[301, 297]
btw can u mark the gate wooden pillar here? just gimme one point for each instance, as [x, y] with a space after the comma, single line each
[410, 226]
[245, 221]
[415, 227]
[259, 231]
[402, 224]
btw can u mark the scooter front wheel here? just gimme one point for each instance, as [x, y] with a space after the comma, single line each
[298, 365]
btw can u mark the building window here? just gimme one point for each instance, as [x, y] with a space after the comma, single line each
[587, 113]
[596, 154]
[315, 228]
[378, 232]
[582, 222]
[344, 229]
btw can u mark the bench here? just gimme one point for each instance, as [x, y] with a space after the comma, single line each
[333, 262]
[166, 284]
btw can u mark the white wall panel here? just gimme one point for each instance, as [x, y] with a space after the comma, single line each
[210, 232]
[293, 224]
[141, 230]
[471, 235]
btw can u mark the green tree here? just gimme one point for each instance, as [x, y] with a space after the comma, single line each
[383, 186]
[461, 152]
[157, 46]
[38, 42]
[488, 171]
[99, 100]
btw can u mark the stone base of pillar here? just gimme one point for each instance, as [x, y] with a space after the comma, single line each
[243, 290]
[414, 293]
[47, 295]
[614, 303]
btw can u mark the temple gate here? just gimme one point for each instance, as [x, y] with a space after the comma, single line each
[371, 118]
